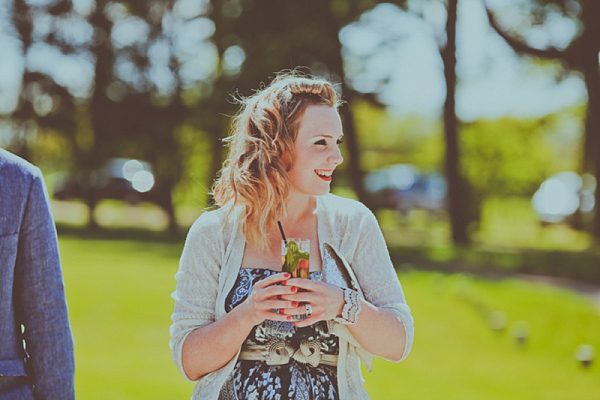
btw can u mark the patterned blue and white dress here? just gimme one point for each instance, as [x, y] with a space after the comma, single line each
[255, 380]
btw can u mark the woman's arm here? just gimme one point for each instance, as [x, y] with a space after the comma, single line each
[385, 325]
[380, 332]
[212, 346]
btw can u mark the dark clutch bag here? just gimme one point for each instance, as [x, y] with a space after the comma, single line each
[336, 269]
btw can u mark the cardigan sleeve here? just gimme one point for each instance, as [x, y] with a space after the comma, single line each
[377, 277]
[197, 282]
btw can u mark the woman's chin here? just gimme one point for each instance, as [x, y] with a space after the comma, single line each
[323, 192]
[312, 190]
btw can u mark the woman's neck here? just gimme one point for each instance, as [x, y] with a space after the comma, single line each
[298, 207]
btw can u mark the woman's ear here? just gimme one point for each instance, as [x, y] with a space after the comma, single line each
[286, 159]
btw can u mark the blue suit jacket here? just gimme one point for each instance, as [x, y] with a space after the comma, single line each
[36, 346]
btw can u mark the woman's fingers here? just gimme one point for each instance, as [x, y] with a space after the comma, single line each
[299, 310]
[275, 316]
[307, 291]
[326, 300]
[306, 284]
[273, 291]
[278, 304]
[304, 297]
[273, 279]
[260, 301]
[280, 297]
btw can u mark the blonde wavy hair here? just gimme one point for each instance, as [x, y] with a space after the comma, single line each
[261, 153]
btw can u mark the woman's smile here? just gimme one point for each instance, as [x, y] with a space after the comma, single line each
[325, 175]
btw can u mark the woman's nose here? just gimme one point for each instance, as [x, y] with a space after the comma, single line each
[336, 156]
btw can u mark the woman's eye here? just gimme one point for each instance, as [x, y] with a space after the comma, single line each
[323, 142]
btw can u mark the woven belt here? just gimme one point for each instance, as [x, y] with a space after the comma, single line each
[281, 352]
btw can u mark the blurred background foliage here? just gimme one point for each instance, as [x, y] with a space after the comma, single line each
[157, 81]
[496, 96]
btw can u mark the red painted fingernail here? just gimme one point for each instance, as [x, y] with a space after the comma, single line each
[294, 289]
[294, 304]
[284, 283]
[289, 317]
[287, 275]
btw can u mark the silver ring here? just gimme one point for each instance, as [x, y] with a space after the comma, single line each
[308, 310]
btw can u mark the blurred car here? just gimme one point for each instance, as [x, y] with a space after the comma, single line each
[403, 187]
[562, 195]
[120, 178]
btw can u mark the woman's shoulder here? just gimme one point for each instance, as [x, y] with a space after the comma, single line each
[216, 221]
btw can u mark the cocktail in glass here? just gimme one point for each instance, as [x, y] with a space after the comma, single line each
[295, 254]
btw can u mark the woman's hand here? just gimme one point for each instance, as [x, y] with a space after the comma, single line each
[326, 300]
[266, 300]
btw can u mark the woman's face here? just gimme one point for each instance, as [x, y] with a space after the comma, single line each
[316, 151]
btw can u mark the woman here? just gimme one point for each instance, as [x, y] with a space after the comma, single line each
[234, 326]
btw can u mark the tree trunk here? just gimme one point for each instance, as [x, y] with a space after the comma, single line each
[592, 130]
[100, 106]
[456, 184]
[167, 206]
[584, 57]
[589, 45]
[91, 205]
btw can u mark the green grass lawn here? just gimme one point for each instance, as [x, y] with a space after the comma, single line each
[120, 308]
[457, 355]
[120, 305]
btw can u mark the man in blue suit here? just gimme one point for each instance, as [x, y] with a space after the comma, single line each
[36, 345]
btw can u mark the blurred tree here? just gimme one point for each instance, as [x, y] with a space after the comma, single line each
[152, 65]
[136, 104]
[497, 155]
[415, 140]
[42, 104]
[139, 66]
[458, 190]
[124, 95]
[577, 47]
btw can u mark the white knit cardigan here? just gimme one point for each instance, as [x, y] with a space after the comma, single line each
[211, 260]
